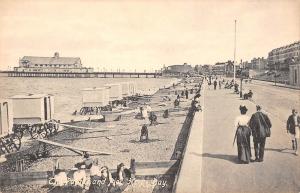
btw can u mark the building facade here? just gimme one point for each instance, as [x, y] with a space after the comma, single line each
[223, 68]
[207, 69]
[259, 63]
[178, 70]
[51, 64]
[294, 74]
[281, 58]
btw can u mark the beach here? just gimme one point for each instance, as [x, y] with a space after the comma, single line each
[120, 138]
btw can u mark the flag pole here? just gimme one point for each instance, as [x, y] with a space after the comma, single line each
[234, 51]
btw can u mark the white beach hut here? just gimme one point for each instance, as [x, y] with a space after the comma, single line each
[32, 108]
[125, 89]
[95, 97]
[115, 91]
[132, 88]
[6, 117]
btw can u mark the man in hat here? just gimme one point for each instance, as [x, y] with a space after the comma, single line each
[260, 125]
[292, 127]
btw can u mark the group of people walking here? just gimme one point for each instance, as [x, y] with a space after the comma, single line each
[259, 127]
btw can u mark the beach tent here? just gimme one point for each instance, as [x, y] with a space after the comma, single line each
[115, 91]
[95, 97]
[6, 117]
[32, 108]
[132, 88]
[125, 89]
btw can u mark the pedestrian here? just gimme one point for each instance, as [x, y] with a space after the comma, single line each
[242, 136]
[166, 114]
[153, 119]
[220, 84]
[260, 125]
[176, 103]
[144, 134]
[292, 127]
[186, 94]
[182, 93]
[215, 84]
[144, 113]
[208, 85]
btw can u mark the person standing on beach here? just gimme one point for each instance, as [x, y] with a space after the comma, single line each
[292, 127]
[220, 84]
[186, 94]
[260, 125]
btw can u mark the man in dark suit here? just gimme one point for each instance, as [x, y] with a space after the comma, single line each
[260, 125]
[292, 127]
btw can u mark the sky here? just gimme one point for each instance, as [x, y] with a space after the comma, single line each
[145, 35]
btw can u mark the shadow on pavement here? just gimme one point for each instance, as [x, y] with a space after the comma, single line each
[231, 158]
[149, 141]
[285, 150]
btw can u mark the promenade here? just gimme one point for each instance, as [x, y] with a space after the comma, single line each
[214, 158]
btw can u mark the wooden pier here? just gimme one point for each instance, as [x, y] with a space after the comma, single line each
[82, 75]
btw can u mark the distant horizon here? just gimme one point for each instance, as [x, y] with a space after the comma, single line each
[142, 35]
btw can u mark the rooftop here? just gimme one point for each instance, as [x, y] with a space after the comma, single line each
[50, 60]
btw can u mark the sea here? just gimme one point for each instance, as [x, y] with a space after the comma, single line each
[67, 92]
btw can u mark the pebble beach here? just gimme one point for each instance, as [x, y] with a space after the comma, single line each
[121, 139]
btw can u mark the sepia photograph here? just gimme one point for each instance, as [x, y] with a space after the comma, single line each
[161, 96]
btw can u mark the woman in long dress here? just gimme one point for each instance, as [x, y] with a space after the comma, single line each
[242, 136]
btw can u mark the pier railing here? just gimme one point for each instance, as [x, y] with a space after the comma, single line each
[82, 75]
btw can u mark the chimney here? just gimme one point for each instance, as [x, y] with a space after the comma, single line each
[56, 55]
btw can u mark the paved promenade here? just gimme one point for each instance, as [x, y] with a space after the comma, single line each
[280, 171]
[210, 162]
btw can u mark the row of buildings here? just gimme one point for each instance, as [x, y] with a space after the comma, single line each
[284, 59]
[278, 59]
[224, 68]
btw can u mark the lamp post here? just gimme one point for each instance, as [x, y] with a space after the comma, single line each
[234, 70]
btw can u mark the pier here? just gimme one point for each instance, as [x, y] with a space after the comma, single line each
[82, 75]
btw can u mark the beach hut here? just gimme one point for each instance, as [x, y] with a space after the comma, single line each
[6, 117]
[95, 97]
[125, 89]
[32, 108]
[34, 112]
[132, 88]
[115, 91]
[9, 141]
